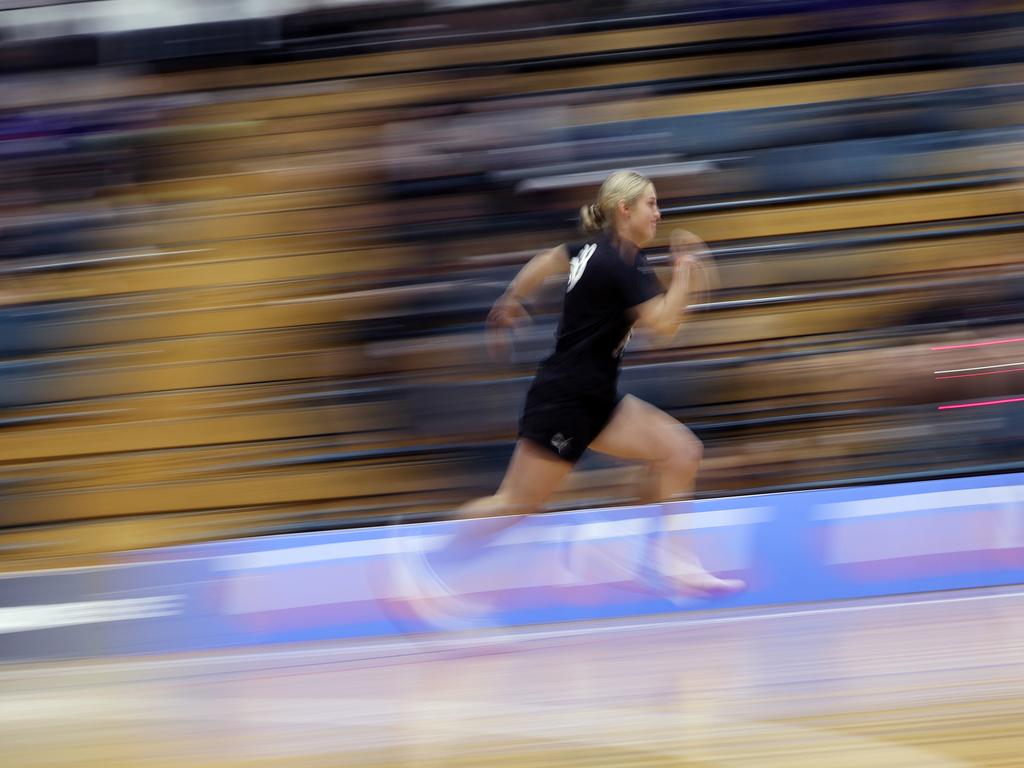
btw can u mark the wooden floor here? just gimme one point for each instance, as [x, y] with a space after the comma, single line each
[918, 680]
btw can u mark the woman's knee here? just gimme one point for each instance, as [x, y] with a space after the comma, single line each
[685, 451]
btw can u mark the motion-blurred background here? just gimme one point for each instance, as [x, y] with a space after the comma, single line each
[247, 248]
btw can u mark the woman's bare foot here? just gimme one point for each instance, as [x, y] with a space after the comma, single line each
[684, 571]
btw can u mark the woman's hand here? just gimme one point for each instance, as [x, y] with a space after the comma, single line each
[505, 316]
[692, 260]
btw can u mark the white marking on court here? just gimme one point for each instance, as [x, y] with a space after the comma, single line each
[428, 644]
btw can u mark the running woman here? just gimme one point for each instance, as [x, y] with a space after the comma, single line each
[573, 403]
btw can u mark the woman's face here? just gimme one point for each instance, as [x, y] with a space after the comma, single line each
[642, 217]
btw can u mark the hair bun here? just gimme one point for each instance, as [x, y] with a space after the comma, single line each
[592, 218]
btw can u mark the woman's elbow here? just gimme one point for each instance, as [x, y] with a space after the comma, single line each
[663, 332]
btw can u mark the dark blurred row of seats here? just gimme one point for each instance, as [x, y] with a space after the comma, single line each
[251, 299]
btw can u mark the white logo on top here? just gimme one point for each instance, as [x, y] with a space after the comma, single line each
[578, 263]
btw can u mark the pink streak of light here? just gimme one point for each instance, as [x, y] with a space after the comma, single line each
[987, 402]
[977, 344]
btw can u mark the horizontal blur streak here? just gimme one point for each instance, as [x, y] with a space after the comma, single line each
[981, 367]
[976, 405]
[978, 344]
[245, 262]
[984, 373]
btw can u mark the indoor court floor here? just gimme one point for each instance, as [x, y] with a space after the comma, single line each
[918, 680]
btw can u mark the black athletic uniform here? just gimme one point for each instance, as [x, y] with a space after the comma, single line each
[574, 392]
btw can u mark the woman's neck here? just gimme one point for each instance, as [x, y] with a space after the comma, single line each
[626, 246]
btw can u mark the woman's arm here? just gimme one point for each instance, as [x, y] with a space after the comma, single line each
[508, 311]
[665, 313]
[538, 269]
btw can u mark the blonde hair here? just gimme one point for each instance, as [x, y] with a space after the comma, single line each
[626, 186]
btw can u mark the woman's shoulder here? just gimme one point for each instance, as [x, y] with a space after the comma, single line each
[594, 244]
[572, 246]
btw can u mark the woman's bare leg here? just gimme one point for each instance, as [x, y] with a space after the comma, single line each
[640, 432]
[435, 583]
[532, 477]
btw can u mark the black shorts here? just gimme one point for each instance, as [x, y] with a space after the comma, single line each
[565, 427]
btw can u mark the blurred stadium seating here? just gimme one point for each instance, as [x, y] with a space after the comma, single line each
[243, 287]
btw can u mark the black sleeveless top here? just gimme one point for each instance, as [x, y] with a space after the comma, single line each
[603, 286]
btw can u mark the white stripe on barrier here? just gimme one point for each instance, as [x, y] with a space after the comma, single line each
[315, 553]
[27, 618]
[921, 502]
[401, 542]
[720, 518]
